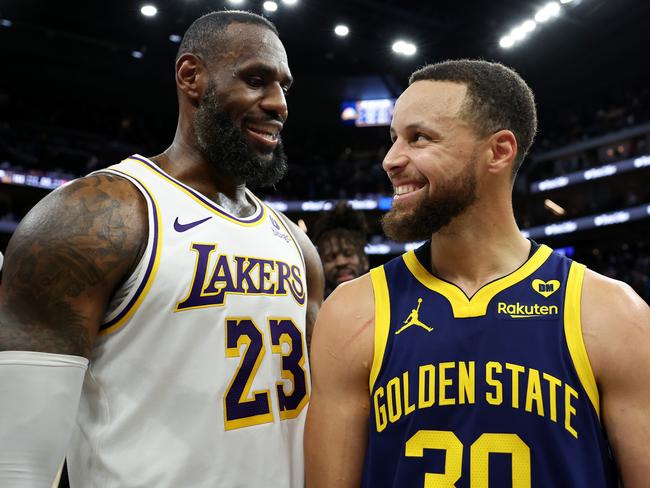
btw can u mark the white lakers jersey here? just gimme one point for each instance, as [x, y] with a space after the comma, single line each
[199, 377]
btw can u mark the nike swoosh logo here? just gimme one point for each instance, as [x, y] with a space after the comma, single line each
[183, 227]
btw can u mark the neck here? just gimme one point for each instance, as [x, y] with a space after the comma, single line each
[183, 161]
[479, 246]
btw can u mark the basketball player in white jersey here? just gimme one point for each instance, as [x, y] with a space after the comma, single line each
[154, 315]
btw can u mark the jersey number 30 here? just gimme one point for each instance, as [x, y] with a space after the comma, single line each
[243, 408]
[480, 450]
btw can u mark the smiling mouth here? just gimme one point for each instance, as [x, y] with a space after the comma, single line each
[402, 191]
[265, 134]
[344, 276]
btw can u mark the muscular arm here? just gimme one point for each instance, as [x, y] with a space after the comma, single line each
[64, 261]
[616, 329]
[315, 279]
[341, 359]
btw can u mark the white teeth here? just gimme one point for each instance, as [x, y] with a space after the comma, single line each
[266, 135]
[401, 190]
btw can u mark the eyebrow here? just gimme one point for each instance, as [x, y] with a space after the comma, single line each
[419, 125]
[266, 70]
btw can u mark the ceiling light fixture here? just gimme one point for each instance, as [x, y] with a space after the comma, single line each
[270, 6]
[404, 48]
[148, 10]
[341, 30]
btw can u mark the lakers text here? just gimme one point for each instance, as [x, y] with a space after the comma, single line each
[215, 277]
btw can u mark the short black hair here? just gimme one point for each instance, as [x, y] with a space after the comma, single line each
[497, 98]
[342, 221]
[204, 36]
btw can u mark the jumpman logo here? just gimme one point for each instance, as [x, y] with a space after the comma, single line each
[413, 319]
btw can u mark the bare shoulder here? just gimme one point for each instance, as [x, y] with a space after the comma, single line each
[344, 332]
[615, 324]
[616, 331]
[315, 278]
[64, 260]
[307, 247]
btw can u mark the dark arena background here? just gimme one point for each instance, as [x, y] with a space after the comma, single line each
[85, 84]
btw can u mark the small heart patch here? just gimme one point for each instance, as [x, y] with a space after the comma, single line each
[546, 288]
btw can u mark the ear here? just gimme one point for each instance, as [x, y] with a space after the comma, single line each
[191, 77]
[503, 146]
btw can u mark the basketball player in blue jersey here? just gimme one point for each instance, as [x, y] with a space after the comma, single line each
[481, 359]
[154, 315]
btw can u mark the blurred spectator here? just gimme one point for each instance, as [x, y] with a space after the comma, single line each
[340, 236]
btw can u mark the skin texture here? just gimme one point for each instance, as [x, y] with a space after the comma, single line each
[342, 259]
[432, 146]
[251, 79]
[64, 261]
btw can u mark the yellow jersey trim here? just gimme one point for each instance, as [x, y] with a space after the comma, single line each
[382, 320]
[573, 334]
[463, 307]
[256, 219]
[152, 203]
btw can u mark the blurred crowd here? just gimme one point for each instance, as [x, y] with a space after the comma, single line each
[347, 164]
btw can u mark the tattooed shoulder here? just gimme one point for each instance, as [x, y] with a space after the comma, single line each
[64, 261]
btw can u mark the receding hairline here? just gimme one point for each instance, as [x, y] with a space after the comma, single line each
[463, 111]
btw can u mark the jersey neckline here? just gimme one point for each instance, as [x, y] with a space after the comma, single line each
[255, 218]
[476, 306]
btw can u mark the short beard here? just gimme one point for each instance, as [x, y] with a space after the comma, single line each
[451, 198]
[224, 147]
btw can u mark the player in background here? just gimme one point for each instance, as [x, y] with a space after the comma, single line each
[340, 235]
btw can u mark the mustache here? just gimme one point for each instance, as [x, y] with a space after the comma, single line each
[267, 118]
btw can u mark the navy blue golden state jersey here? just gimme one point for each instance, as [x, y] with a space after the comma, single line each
[493, 391]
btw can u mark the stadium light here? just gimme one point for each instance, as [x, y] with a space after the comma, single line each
[290, 2]
[236, 2]
[270, 6]
[529, 26]
[341, 30]
[547, 12]
[506, 42]
[404, 48]
[148, 10]
[520, 32]
[175, 38]
[6, 23]
[137, 54]
[517, 34]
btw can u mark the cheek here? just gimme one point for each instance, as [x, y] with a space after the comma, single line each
[236, 105]
[328, 266]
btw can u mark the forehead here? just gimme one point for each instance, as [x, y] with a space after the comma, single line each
[253, 44]
[334, 242]
[429, 101]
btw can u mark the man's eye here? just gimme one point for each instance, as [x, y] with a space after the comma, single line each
[420, 137]
[255, 81]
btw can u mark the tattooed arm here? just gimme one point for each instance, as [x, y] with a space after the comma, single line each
[64, 261]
